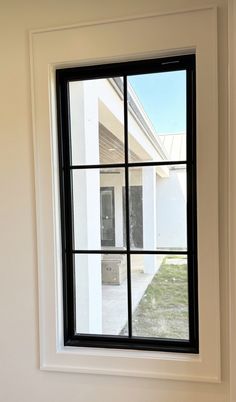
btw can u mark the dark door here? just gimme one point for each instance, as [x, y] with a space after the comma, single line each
[135, 216]
[107, 211]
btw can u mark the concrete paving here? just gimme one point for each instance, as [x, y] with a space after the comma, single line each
[114, 297]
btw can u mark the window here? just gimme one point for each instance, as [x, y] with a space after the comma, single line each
[127, 148]
[193, 31]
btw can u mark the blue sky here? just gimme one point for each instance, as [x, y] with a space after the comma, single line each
[163, 96]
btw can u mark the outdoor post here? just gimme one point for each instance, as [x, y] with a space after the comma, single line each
[149, 217]
[86, 196]
[119, 211]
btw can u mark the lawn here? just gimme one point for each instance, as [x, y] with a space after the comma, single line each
[163, 310]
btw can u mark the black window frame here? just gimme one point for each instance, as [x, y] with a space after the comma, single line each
[124, 69]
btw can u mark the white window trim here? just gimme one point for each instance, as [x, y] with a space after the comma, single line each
[121, 40]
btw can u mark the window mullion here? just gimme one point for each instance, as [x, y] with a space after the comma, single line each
[126, 142]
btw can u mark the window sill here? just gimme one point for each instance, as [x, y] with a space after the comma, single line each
[129, 363]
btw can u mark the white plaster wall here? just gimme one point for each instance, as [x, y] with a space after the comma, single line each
[171, 206]
[20, 378]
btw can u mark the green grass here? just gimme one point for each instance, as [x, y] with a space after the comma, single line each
[163, 309]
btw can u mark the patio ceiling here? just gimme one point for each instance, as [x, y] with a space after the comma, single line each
[111, 149]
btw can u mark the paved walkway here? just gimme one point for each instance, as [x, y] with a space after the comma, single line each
[115, 298]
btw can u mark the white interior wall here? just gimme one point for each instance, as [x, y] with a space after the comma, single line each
[232, 190]
[20, 378]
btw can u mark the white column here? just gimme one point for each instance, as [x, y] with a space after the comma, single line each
[86, 196]
[149, 217]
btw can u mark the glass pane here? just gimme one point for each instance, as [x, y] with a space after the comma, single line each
[97, 121]
[101, 293]
[160, 296]
[98, 209]
[158, 208]
[157, 116]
